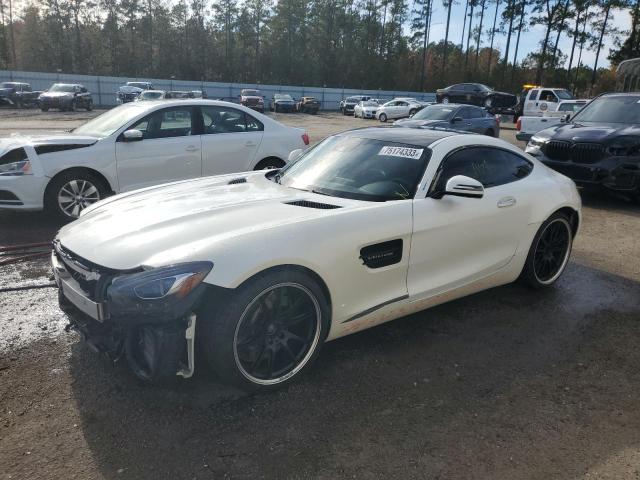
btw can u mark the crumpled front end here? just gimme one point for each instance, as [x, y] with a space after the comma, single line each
[145, 315]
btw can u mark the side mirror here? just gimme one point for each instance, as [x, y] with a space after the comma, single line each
[132, 136]
[295, 155]
[462, 186]
[456, 119]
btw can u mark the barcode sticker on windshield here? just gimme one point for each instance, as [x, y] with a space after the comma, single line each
[403, 152]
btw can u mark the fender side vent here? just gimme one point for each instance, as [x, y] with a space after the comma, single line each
[309, 204]
[382, 254]
[235, 181]
[40, 149]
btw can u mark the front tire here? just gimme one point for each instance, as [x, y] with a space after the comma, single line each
[445, 99]
[549, 252]
[268, 332]
[71, 192]
[383, 117]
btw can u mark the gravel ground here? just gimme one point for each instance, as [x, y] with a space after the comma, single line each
[505, 384]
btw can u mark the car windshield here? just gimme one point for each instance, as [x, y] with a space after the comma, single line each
[109, 122]
[611, 109]
[434, 112]
[369, 103]
[353, 99]
[251, 93]
[482, 87]
[563, 95]
[359, 168]
[138, 84]
[283, 97]
[570, 107]
[61, 87]
[151, 95]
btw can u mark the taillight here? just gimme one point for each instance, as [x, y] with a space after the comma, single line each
[305, 138]
[518, 124]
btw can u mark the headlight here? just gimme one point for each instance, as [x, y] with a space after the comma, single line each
[16, 169]
[177, 280]
[536, 142]
[624, 146]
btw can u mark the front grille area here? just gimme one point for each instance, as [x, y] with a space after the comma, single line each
[563, 151]
[90, 277]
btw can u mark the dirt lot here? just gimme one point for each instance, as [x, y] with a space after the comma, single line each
[506, 384]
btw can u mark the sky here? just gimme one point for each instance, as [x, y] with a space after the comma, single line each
[528, 40]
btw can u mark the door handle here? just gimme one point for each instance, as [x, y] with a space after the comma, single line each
[250, 144]
[506, 202]
[191, 148]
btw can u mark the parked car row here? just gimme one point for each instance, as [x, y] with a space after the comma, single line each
[279, 103]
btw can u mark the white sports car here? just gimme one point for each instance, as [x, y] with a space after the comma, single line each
[263, 267]
[137, 145]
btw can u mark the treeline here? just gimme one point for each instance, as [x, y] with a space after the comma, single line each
[371, 44]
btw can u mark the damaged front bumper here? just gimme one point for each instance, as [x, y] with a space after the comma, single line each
[147, 316]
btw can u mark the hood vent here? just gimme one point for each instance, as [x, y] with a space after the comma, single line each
[57, 147]
[235, 181]
[309, 204]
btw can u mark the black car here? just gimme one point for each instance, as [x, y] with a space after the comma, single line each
[308, 105]
[18, 94]
[477, 94]
[599, 147]
[130, 91]
[466, 118]
[66, 96]
[282, 102]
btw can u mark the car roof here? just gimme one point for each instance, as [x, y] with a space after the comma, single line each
[621, 94]
[412, 136]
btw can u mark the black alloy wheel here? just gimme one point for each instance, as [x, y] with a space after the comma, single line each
[277, 333]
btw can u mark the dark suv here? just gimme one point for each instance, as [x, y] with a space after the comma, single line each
[66, 96]
[598, 147]
[18, 94]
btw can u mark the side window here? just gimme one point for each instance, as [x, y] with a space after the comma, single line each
[475, 112]
[228, 120]
[166, 123]
[533, 95]
[402, 104]
[548, 96]
[26, 88]
[490, 166]
[83, 89]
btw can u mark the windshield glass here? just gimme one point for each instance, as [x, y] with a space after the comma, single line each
[563, 95]
[359, 168]
[353, 99]
[283, 97]
[138, 84]
[369, 103]
[434, 112]
[151, 95]
[251, 93]
[61, 87]
[613, 109]
[482, 87]
[570, 107]
[109, 122]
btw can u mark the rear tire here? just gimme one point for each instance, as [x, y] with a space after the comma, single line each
[412, 112]
[489, 132]
[268, 331]
[445, 99]
[549, 252]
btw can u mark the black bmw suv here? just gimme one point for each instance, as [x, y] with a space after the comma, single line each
[599, 147]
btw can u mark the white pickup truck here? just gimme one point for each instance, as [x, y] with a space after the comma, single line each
[528, 126]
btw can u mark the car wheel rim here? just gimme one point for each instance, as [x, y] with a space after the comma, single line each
[277, 334]
[77, 195]
[445, 100]
[552, 251]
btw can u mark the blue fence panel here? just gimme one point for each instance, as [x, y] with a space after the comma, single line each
[104, 88]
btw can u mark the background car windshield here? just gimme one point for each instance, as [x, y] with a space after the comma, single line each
[107, 123]
[59, 87]
[369, 103]
[563, 95]
[353, 99]
[359, 168]
[252, 93]
[283, 97]
[137, 84]
[615, 109]
[483, 87]
[434, 112]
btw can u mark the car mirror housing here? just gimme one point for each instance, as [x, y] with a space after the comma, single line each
[463, 186]
[295, 155]
[456, 119]
[132, 135]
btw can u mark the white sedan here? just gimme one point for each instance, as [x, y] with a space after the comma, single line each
[261, 268]
[138, 145]
[398, 108]
[366, 109]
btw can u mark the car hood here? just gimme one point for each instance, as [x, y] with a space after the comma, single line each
[589, 132]
[251, 97]
[56, 94]
[181, 221]
[8, 143]
[408, 122]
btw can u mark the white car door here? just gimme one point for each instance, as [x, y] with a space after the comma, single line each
[231, 139]
[167, 152]
[457, 240]
[401, 109]
[530, 104]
